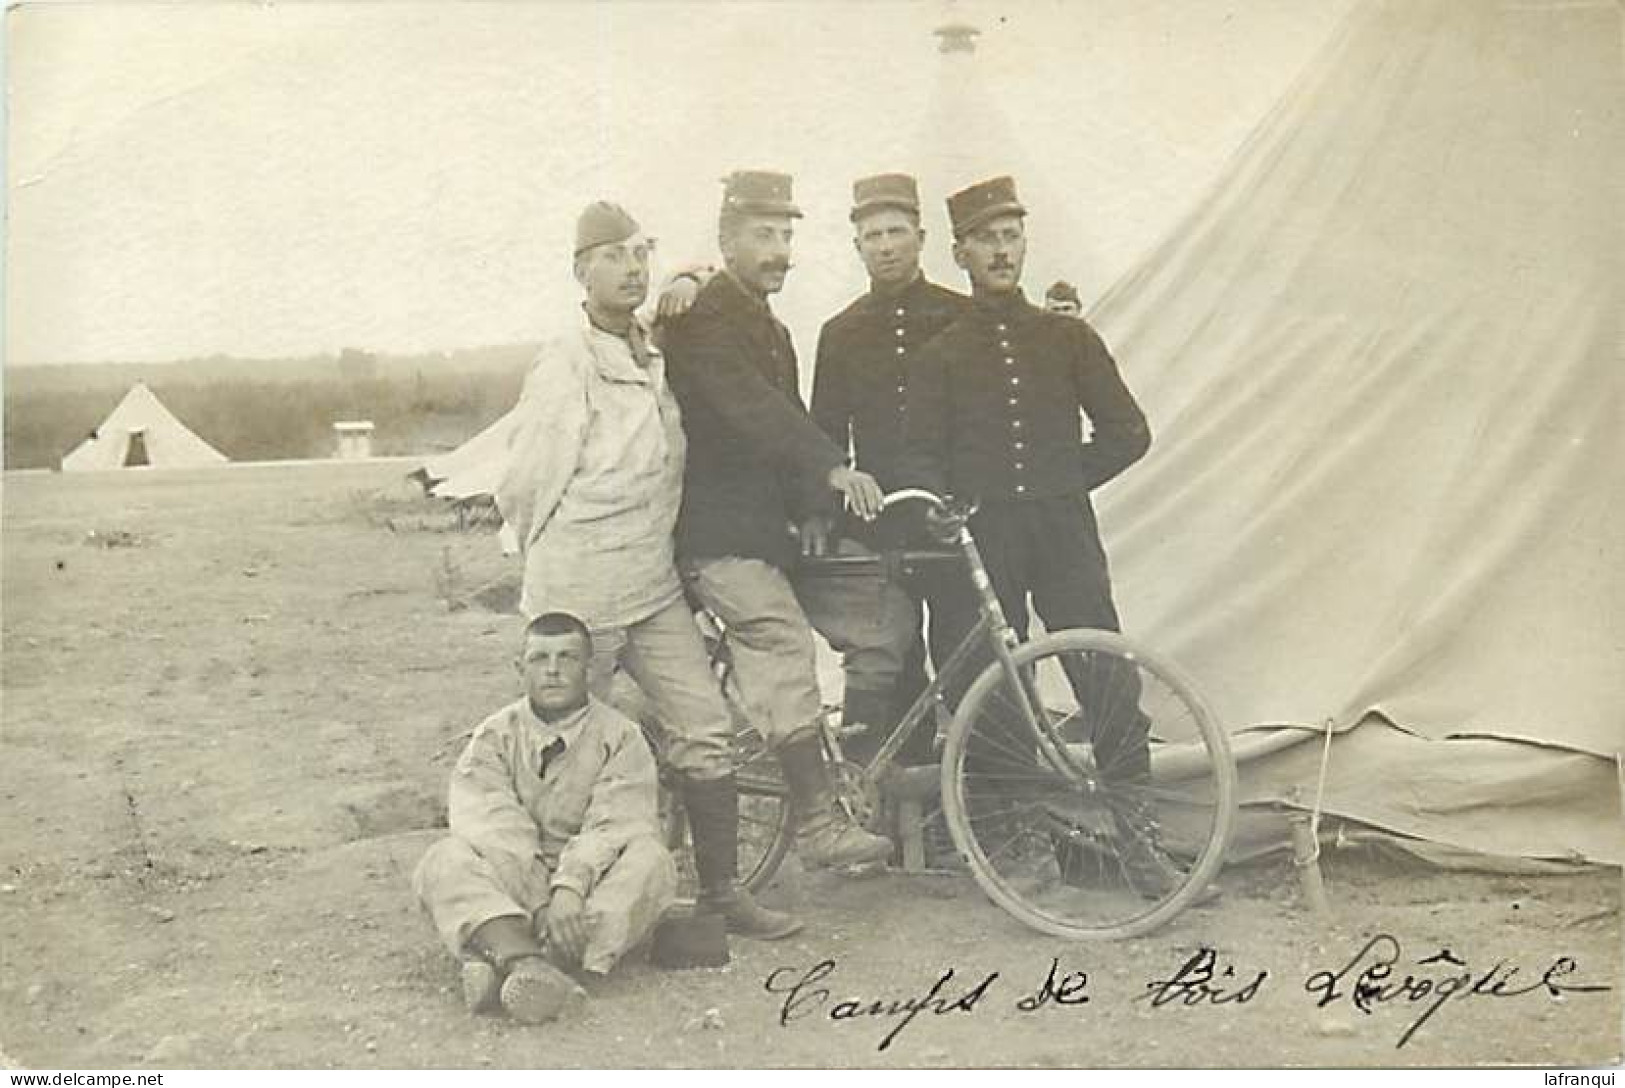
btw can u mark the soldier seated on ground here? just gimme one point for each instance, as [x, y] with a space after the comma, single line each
[554, 866]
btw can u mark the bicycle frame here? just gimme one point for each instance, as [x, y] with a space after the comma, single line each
[1107, 825]
[1001, 638]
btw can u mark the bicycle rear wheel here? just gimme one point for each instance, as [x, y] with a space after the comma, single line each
[765, 831]
[1113, 815]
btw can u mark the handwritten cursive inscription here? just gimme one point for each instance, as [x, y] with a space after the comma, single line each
[1371, 979]
[803, 996]
[1378, 975]
[1067, 989]
[1200, 980]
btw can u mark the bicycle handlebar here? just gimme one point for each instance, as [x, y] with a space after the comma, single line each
[872, 561]
[905, 494]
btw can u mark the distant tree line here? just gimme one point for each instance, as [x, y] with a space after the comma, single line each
[267, 411]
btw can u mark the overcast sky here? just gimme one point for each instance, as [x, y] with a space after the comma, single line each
[262, 180]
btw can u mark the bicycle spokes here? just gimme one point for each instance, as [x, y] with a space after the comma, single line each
[1066, 812]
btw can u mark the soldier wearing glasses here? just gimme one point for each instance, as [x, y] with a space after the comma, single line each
[593, 486]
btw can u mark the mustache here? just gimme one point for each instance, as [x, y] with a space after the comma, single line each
[1001, 264]
[775, 265]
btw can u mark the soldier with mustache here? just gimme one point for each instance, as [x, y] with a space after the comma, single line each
[758, 465]
[996, 411]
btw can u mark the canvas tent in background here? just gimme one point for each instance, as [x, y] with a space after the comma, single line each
[1383, 364]
[468, 475]
[470, 471]
[140, 433]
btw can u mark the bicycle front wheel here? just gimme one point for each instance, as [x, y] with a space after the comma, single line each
[1105, 811]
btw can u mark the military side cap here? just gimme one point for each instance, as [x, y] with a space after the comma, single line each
[981, 203]
[884, 191]
[602, 223]
[1063, 291]
[758, 192]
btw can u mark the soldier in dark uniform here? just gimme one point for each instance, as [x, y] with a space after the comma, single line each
[757, 465]
[994, 412]
[860, 398]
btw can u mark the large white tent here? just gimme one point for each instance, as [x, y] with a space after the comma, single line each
[1384, 367]
[141, 433]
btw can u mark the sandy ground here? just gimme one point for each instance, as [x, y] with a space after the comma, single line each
[225, 740]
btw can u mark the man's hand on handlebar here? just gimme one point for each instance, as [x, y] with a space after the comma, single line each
[862, 491]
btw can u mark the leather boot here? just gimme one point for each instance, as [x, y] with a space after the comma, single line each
[713, 827]
[825, 835]
[508, 969]
[1148, 869]
[504, 939]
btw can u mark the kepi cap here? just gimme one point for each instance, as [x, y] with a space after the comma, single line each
[758, 192]
[602, 223]
[982, 203]
[884, 191]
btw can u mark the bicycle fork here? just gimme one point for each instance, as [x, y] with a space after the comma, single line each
[1076, 764]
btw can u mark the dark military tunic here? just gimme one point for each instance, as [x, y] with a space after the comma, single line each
[994, 407]
[756, 460]
[865, 356]
[994, 415]
[860, 390]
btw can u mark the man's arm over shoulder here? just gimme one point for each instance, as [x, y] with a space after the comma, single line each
[623, 805]
[545, 445]
[1121, 435]
[705, 364]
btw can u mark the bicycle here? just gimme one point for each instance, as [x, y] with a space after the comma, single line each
[1049, 797]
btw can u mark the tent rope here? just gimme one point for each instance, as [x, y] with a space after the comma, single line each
[1320, 794]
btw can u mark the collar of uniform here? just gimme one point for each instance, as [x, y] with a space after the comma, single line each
[1002, 305]
[614, 355]
[732, 290]
[907, 295]
[565, 731]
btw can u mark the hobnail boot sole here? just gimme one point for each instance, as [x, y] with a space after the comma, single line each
[536, 992]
